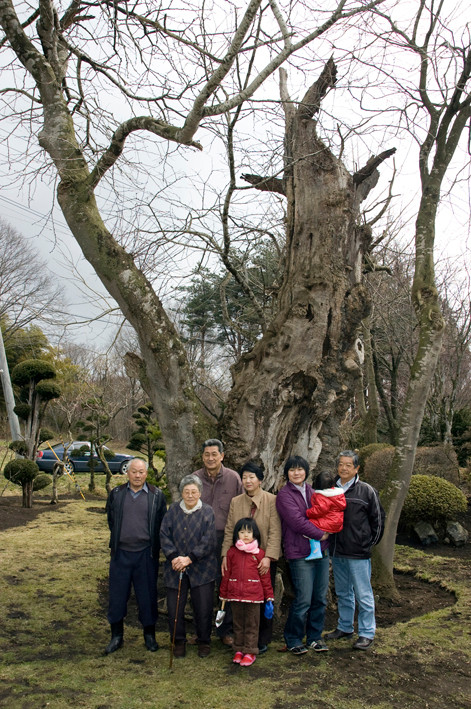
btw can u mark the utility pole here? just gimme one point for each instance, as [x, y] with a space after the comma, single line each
[8, 393]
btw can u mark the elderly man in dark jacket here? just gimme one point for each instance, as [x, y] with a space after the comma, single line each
[135, 511]
[350, 549]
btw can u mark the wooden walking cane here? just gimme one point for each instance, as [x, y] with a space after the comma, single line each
[172, 644]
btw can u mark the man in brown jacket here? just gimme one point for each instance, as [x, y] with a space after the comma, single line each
[220, 485]
[261, 506]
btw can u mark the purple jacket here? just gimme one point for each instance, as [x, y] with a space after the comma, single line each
[295, 526]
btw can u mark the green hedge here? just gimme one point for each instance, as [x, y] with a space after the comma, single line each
[433, 500]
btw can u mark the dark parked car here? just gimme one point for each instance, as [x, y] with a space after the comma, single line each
[78, 453]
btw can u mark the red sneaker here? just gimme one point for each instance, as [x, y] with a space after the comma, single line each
[248, 660]
[238, 657]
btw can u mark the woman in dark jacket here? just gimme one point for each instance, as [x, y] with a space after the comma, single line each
[310, 578]
[188, 541]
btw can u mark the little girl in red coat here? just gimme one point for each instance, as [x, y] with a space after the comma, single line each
[243, 586]
[326, 512]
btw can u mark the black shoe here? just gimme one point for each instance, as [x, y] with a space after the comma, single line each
[204, 650]
[115, 643]
[297, 650]
[151, 644]
[363, 643]
[179, 650]
[262, 649]
[337, 634]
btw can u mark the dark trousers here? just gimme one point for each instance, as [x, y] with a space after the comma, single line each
[226, 626]
[265, 632]
[246, 619]
[139, 569]
[202, 602]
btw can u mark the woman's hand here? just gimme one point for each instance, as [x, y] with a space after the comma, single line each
[180, 563]
[264, 566]
[324, 536]
[223, 565]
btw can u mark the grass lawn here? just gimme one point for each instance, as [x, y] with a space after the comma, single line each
[54, 629]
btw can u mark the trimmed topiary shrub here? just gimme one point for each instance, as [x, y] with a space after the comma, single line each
[22, 471]
[433, 500]
[32, 369]
[41, 481]
[22, 411]
[48, 390]
[365, 452]
[19, 447]
[45, 434]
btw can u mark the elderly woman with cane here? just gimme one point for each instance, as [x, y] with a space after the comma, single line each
[188, 541]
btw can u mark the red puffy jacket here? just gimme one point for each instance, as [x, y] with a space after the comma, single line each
[326, 510]
[242, 580]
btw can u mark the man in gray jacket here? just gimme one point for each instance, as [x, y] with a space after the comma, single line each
[135, 511]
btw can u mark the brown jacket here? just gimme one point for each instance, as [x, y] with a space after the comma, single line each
[265, 516]
[218, 492]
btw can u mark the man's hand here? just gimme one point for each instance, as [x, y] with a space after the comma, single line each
[264, 566]
[180, 563]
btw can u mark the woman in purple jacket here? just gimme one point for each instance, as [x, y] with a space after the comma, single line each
[310, 578]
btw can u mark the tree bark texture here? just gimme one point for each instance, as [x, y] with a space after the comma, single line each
[298, 378]
[371, 415]
[295, 385]
[431, 329]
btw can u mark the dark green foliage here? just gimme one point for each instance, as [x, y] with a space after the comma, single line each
[32, 370]
[141, 422]
[137, 441]
[19, 447]
[45, 434]
[41, 481]
[147, 438]
[461, 431]
[78, 452]
[21, 471]
[23, 344]
[433, 500]
[365, 452]
[22, 411]
[48, 390]
[218, 311]
[160, 482]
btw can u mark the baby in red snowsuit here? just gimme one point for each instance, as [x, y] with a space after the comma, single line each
[326, 512]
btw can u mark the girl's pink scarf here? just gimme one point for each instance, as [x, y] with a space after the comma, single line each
[250, 548]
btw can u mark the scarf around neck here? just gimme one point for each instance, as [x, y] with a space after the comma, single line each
[250, 548]
[185, 509]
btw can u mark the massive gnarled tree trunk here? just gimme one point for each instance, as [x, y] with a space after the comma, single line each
[292, 389]
[321, 302]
